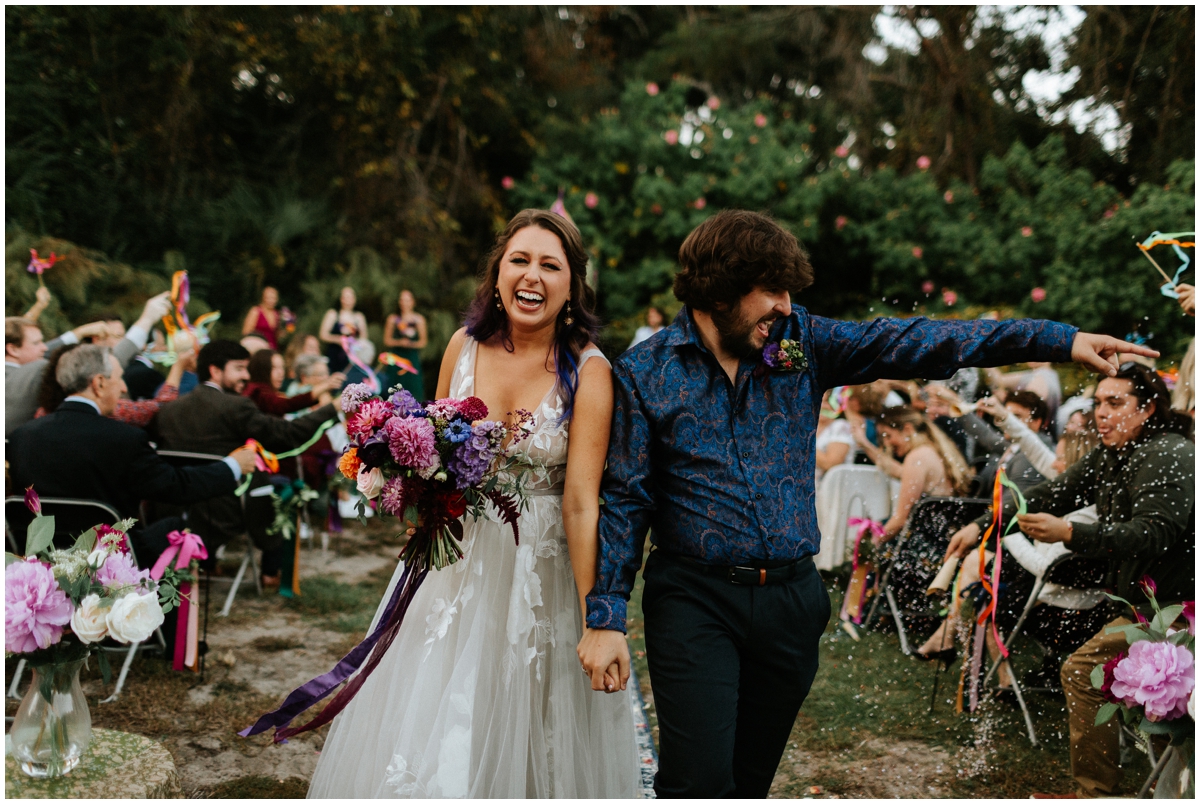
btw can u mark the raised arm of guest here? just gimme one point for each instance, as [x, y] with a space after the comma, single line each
[39, 306]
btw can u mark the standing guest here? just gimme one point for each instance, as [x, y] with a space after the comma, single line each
[654, 323]
[266, 382]
[216, 418]
[263, 319]
[1142, 482]
[405, 335]
[25, 361]
[932, 465]
[342, 321]
[864, 405]
[711, 452]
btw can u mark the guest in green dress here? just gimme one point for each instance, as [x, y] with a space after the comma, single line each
[404, 335]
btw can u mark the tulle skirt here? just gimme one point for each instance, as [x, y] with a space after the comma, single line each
[481, 694]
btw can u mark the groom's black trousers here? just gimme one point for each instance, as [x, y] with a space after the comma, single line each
[730, 666]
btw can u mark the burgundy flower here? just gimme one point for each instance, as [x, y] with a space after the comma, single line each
[472, 408]
[1148, 586]
[1109, 667]
[33, 502]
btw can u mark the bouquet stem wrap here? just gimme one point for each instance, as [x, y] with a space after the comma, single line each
[375, 645]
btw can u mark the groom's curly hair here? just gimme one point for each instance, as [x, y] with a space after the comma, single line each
[732, 253]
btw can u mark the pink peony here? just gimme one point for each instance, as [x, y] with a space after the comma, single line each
[927, 286]
[35, 609]
[507, 183]
[760, 120]
[841, 151]
[1026, 231]
[700, 203]
[923, 162]
[1038, 294]
[1158, 676]
[412, 442]
[591, 200]
[671, 137]
[1189, 611]
[949, 297]
[918, 252]
[371, 415]
[839, 222]
[652, 89]
[391, 499]
[949, 196]
[120, 570]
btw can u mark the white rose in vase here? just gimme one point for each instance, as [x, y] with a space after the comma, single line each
[90, 620]
[370, 483]
[134, 617]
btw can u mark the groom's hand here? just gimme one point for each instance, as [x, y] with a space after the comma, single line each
[1099, 352]
[598, 651]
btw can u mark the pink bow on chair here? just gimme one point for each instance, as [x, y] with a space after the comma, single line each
[186, 545]
[864, 526]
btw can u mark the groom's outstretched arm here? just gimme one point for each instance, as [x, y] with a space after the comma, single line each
[853, 353]
[627, 505]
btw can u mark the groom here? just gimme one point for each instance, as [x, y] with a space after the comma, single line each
[713, 451]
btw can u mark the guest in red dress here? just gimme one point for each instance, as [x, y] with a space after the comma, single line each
[266, 380]
[263, 318]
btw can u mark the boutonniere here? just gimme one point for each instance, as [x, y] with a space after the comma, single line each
[784, 356]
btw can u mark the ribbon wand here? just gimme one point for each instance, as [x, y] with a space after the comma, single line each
[39, 264]
[1156, 265]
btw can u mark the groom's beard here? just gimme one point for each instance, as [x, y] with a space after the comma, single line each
[736, 333]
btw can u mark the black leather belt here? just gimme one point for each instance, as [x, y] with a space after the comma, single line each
[769, 573]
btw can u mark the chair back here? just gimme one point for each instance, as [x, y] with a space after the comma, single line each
[937, 518]
[846, 491]
[72, 516]
[184, 459]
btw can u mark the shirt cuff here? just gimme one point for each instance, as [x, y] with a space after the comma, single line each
[1085, 536]
[138, 335]
[233, 467]
[606, 612]
[1056, 348]
[68, 338]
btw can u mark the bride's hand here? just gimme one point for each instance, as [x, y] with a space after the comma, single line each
[599, 651]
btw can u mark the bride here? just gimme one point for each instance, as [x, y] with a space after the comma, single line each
[482, 694]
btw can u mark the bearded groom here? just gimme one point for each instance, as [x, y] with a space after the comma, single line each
[712, 449]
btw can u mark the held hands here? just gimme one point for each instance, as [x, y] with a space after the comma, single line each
[962, 541]
[1045, 528]
[245, 459]
[604, 656]
[1099, 352]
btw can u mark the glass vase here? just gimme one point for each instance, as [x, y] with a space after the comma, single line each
[53, 726]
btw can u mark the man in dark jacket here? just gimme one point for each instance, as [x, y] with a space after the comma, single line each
[1142, 482]
[78, 451]
[216, 418]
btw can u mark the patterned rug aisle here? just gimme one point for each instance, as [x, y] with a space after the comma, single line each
[646, 753]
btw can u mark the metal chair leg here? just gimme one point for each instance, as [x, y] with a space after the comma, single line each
[124, 672]
[1154, 774]
[254, 566]
[12, 690]
[237, 581]
[895, 608]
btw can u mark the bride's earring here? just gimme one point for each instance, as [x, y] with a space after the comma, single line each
[568, 321]
[496, 294]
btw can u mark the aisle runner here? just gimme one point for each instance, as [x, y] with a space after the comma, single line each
[646, 753]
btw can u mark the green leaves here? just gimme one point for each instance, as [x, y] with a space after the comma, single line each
[1106, 712]
[40, 535]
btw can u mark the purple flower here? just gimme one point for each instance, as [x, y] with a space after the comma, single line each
[35, 609]
[412, 441]
[119, 570]
[771, 354]
[404, 402]
[33, 502]
[1158, 676]
[391, 499]
[375, 451]
[458, 432]
[469, 465]
[354, 395]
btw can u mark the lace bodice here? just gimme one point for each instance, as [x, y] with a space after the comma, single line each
[547, 446]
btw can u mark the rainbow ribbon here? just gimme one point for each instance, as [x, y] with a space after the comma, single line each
[404, 364]
[1171, 239]
[181, 294]
[348, 348]
[267, 461]
[38, 264]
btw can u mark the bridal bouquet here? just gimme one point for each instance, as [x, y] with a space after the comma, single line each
[1153, 683]
[432, 464]
[59, 604]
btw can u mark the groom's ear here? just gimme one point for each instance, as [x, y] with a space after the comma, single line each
[721, 307]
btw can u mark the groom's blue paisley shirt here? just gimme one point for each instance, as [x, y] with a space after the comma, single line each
[724, 473]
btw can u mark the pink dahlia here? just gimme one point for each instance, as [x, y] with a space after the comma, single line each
[119, 570]
[412, 442]
[371, 415]
[1189, 612]
[35, 609]
[391, 499]
[1158, 676]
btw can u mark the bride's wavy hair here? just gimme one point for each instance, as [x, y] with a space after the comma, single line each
[485, 320]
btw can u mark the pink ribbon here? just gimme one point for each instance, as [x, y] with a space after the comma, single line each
[864, 526]
[186, 545]
[372, 380]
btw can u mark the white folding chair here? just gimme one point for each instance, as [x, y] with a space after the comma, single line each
[847, 491]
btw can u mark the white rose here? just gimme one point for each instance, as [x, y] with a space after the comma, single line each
[96, 558]
[90, 621]
[370, 483]
[134, 617]
[1192, 704]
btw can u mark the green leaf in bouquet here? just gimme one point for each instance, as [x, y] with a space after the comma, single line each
[1171, 727]
[85, 542]
[1106, 712]
[1130, 716]
[105, 667]
[1181, 638]
[9, 558]
[1097, 676]
[40, 535]
[1162, 621]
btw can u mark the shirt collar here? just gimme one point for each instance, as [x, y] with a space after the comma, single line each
[213, 385]
[84, 400]
[682, 330]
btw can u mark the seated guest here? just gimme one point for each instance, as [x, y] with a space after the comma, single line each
[932, 465]
[1040, 379]
[1142, 482]
[1031, 410]
[216, 418]
[266, 380]
[79, 451]
[25, 362]
[138, 413]
[254, 344]
[835, 442]
[300, 344]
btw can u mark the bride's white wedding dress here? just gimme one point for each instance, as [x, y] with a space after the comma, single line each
[481, 695]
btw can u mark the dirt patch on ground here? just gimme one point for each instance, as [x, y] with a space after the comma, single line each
[876, 768]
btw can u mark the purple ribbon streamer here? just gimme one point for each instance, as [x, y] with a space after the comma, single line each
[309, 693]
